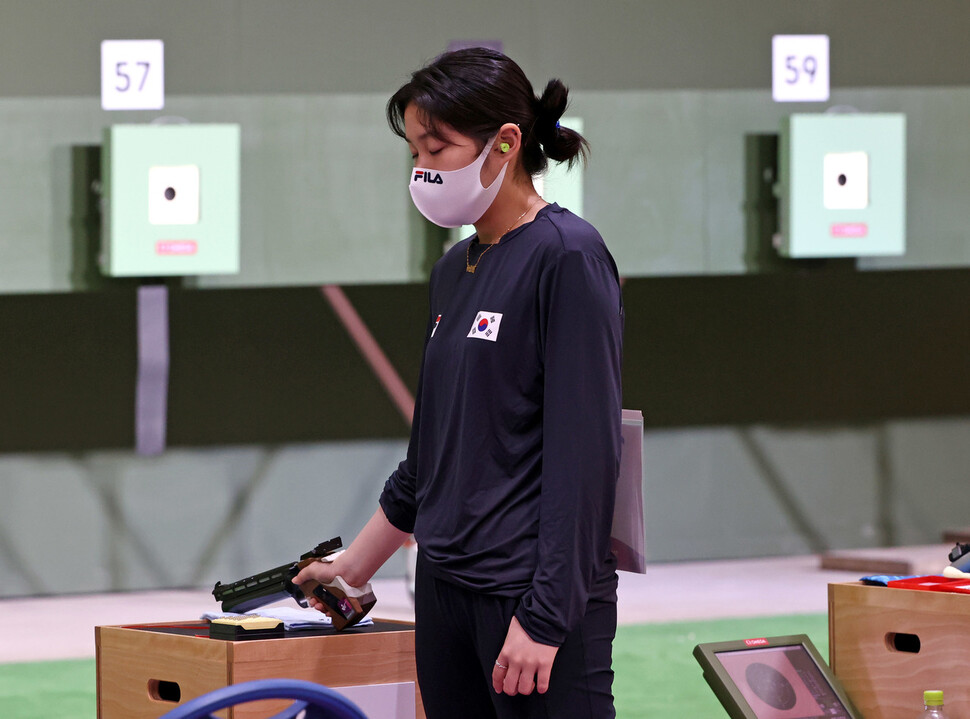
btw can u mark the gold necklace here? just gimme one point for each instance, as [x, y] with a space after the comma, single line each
[469, 267]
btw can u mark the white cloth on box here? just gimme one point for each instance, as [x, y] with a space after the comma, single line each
[293, 618]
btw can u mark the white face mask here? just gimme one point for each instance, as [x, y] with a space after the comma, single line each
[456, 197]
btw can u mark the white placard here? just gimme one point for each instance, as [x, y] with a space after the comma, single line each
[132, 75]
[173, 195]
[845, 181]
[800, 68]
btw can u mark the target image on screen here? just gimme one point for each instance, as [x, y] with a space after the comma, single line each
[782, 683]
[773, 678]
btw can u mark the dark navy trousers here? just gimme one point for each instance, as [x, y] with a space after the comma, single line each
[459, 634]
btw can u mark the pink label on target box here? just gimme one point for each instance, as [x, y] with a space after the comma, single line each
[850, 229]
[176, 247]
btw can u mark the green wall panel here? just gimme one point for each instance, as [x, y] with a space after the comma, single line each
[200, 162]
[324, 191]
[645, 183]
[671, 94]
[937, 175]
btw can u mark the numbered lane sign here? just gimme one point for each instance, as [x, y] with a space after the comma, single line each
[800, 68]
[132, 75]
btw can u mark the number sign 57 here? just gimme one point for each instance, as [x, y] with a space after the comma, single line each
[124, 75]
[800, 68]
[132, 75]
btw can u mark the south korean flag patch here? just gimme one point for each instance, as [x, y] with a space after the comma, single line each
[485, 326]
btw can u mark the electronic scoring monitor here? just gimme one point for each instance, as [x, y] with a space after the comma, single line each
[773, 678]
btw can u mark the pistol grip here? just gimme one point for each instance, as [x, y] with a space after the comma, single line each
[345, 608]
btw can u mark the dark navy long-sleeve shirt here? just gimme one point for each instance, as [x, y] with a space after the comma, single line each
[510, 475]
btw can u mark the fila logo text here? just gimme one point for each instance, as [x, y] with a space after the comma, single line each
[427, 176]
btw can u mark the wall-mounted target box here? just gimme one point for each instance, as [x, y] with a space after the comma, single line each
[842, 185]
[170, 200]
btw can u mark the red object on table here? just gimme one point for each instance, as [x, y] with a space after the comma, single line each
[929, 584]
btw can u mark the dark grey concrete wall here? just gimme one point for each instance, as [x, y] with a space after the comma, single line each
[50, 47]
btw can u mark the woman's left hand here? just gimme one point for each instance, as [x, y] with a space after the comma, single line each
[523, 664]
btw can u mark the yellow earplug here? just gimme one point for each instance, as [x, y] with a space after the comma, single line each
[505, 147]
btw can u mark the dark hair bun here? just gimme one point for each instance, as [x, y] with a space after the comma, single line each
[559, 143]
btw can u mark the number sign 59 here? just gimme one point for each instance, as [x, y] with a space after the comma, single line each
[132, 75]
[800, 68]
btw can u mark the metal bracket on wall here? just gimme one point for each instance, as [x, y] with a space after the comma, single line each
[760, 202]
[761, 218]
[151, 390]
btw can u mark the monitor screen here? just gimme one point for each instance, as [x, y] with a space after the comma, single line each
[783, 683]
[773, 678]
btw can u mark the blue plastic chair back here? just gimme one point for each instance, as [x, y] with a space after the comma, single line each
[318, 701]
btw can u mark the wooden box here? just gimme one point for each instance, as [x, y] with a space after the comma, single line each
[887, 646]
[146, 670]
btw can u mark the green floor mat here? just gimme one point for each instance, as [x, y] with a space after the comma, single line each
[656, 675]
[48, 689]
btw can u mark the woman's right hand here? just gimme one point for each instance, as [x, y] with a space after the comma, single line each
[313, 574]
[377, 541]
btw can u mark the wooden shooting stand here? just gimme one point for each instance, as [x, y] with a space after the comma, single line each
[148, 669]
[887, 645]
